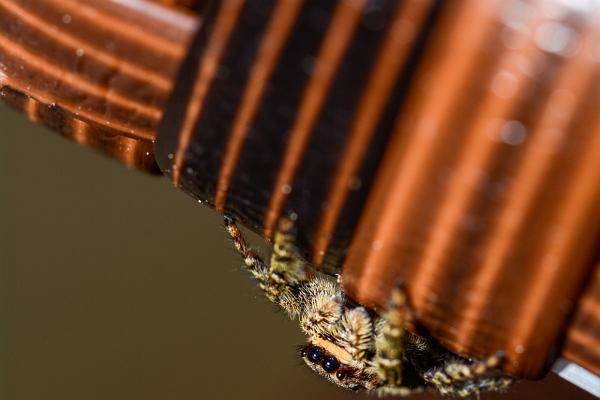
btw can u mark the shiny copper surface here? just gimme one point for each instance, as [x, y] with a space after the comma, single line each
[274, 37]
[107, 65]
[455, 145]
[330, 54]
[485, 201]
[582, 343]
[207, 69]
[489, 210]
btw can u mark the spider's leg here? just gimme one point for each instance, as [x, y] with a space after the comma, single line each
[475, 386]
[286, 266]
[461, 377]
[253, 262]
[456, 369]
[278, 282]
[322, 308]
[400, 391]
[390, 341]
[355, 331]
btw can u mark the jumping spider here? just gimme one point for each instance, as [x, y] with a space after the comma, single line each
[353, 347]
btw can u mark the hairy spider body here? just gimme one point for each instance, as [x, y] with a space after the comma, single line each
[353, 347]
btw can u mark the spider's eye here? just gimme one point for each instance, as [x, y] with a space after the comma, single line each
[330, 364]
[341, 374]
[315, 354]
[303, 353]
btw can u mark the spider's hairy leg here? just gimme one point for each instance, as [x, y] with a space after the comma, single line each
[253, 262]
[461, 377]
[322, 307]
[357, 332]
[279, 280]
[390, 342]
[400, 391]
[286, 266]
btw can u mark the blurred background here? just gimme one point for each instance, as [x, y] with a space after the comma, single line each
[115, 285]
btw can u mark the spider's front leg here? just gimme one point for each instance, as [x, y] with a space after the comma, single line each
[461, 377]
[286, 267]
[286, 272]
[391, 338]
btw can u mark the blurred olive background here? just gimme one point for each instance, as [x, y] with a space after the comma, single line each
[115, 285]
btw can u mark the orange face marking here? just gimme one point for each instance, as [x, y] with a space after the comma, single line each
[342, 355]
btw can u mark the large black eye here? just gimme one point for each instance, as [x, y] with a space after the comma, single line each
[315, 354]
[330, 364]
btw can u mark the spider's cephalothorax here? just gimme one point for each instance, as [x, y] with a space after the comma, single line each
[355, 348]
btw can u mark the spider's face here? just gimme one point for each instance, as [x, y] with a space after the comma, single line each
[338, 371]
